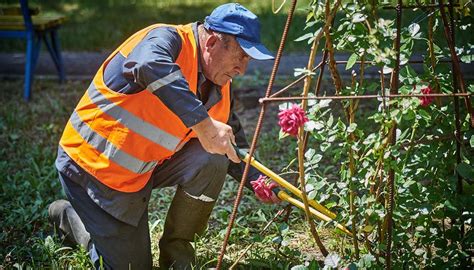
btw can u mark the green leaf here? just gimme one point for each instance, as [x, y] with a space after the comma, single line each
[450, 206]
[304, 37]
[324, 146]
[425, 115]
[332, 260]
[285, 105]
[471, 141]
[366, 260]
[467, 58]
[312, 195]
[282, 135]
[358, 17]
[313, 265]
[351, 127]
[465, 170]
[408, 183]
[351, 61]
[283, 228]
[317, 158]
[309, 153]
[313, 125]
[368, 228]
[277, 240]
[299, 267]
[324, 103]
[331, 121]
[414, 30]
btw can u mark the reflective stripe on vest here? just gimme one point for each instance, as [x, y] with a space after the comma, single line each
[133, 122]
[108, 149]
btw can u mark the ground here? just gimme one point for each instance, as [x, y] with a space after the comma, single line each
[28, 143]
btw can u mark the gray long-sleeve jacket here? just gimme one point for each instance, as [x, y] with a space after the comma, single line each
[153, 58]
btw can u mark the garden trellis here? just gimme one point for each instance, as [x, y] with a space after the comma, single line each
[394, 156]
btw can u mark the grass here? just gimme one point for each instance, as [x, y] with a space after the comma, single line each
[103, 25]
[28, 143]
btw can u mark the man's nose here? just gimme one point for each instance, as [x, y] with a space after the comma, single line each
[241, 67]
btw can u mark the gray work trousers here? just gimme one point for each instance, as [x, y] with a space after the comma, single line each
[123, 246]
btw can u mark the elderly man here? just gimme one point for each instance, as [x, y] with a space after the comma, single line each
[158, 113]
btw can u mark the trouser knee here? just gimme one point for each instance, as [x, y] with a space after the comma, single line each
[209, 175]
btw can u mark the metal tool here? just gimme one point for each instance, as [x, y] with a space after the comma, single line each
[316, 209]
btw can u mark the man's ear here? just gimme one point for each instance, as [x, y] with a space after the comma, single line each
[210, 42]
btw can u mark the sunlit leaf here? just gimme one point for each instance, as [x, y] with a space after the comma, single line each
[351, 61]
[332, 260]
[304, 37]
[358, 17]
[414, 30]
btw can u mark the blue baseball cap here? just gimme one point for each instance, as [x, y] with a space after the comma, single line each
[236, 20]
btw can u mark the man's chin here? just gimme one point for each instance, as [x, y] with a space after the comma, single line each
[223, 81]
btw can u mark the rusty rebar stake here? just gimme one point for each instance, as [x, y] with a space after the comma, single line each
[458, 134]
[270, 99]
[257, 132]
[449, 34]
[409, 61]
[425, 6]
[394, 80]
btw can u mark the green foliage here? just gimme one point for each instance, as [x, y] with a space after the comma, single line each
[89, 21]
[28, 144]
[348, 164]
[428, 208]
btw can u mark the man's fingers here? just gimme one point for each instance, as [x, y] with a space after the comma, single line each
[232, 139]
[232, 155]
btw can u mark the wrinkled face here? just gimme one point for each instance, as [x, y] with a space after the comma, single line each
[223, 58]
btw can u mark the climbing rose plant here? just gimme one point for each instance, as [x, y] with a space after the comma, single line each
[348, 163]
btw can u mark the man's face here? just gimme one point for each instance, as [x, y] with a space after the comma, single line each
[223, 60]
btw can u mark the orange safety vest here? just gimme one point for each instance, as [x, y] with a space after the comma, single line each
[120, 138]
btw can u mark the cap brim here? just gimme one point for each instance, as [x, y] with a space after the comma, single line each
[255, 50]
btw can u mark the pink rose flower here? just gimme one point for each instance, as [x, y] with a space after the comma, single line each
[426, 101]
[262, 190]
[290, 120]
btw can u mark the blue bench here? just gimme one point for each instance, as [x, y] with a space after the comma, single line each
[27, 23]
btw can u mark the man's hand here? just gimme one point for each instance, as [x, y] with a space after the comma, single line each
[216, 138]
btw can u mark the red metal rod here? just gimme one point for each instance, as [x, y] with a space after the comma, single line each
[424, 6]
[269, 99]
[410, 61]
[255, 137]
[456, 67]
[459, 187]
[394, 84]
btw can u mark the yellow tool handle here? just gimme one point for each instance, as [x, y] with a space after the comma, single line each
[282, 182]
[285, 197]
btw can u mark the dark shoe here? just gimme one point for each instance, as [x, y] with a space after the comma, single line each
[68, 224]
[187, 218]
